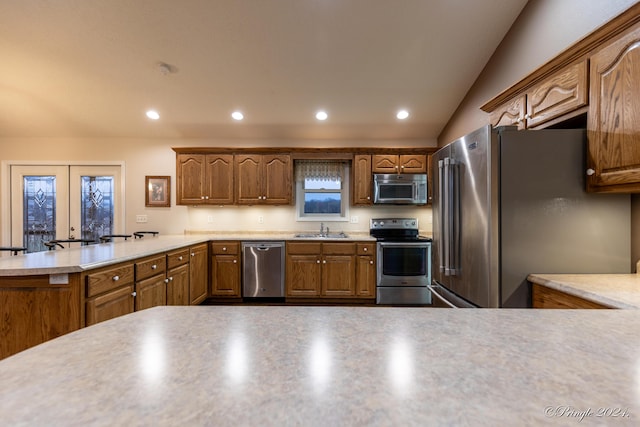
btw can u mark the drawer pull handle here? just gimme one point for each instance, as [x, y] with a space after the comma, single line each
[115, 278]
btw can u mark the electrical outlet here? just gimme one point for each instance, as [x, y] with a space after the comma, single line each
[210, 219]
[354, 219]
[141, 218]
[260, 219]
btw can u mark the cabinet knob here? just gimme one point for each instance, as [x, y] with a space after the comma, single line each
[527, 116]
[371, 262]
[193, 254]
[368, 197]
[235, 261]
[224, 248]
[115, 278]
[180, 258]
[202, 197]
[166, 280]
[317, 261]
[171, 279]
[324, 261]
[402, 167]
[133, 294]
[590, 172]
[365, 249]
[153, 267]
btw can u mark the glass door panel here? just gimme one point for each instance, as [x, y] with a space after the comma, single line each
[39, 211]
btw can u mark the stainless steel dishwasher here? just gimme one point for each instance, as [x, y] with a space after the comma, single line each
[263, 269]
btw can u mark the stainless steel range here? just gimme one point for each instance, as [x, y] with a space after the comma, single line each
[404, 262]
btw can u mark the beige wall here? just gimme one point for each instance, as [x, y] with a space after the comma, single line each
[544, 29]
[155, 157]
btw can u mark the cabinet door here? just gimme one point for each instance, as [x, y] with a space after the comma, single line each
[151, 292]
[338, 276]
[178, 285]
[361, 180]
[198, 274]
[510, 114]
[366, 270]
[248, 172]
[558, 95]
[614, 116]
[219, 179]
[190, 179]
[225, 276]
[277, 179]
[413, 163]
[110, 305]
[385, 163]
[302, 277]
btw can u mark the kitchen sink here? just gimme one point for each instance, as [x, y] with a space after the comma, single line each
[321, 235]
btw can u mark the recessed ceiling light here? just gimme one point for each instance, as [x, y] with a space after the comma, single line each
[402, 114]
[153, 114]
[237, 115]
[321, 115]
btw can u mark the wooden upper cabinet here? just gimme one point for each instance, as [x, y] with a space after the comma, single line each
[399, 163]
[361, 180]
[190, 179]
[263, 179]
[510, 113]
[613, 123]
[204, 179]
[560, 94]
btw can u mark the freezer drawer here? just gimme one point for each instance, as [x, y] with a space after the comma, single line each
[262, 269]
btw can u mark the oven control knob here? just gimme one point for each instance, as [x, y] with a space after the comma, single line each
[381, 223]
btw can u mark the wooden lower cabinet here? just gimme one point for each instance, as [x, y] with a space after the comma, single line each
[198, 274]
[151, 292]
[225, 269]
[109, 293]
[366, 270]
[178, 285]
[330, 270]
[34, 311]
[544, 297]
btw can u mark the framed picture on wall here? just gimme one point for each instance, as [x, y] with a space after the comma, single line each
[157, 191]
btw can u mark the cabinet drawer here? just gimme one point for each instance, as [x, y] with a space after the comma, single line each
[338, 248]
[366, 248]
[150, 267]
[225, 248]
[304, 248]
[177, 258]
[106, 280]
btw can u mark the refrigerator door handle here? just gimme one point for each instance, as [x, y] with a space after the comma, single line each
[440, 297]
[442, 193]
[454, 217]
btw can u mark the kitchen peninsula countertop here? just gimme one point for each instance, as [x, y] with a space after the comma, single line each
[613, 290]
[78, 259]
[270, 365]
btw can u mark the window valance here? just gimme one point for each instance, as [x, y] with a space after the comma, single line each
[321, 170]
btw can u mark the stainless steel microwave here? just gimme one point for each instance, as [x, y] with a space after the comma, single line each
[404, 189]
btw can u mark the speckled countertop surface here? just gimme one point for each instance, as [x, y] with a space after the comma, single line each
[332, 366]
[613, 290]
[73, 260]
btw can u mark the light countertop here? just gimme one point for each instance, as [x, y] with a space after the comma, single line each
[351, 366]
[613, 290]
[77, 259]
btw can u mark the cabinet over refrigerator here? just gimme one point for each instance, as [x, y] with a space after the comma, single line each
[508, 203]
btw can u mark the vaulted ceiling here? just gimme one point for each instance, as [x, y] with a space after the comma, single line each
[92, 68]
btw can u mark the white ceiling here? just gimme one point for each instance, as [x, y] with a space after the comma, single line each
[89, 68]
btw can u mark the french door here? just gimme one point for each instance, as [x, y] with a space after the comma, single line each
[64, 202]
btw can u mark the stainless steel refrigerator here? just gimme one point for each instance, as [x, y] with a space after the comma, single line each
[508, 203]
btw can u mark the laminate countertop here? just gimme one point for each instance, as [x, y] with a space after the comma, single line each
[332, 366]
[612, 290]
[82, 258]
